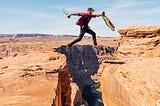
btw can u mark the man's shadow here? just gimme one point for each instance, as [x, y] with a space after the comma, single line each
[82, 62]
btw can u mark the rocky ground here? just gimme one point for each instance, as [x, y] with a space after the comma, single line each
[31, 78]
[133, 79]
[38, 70]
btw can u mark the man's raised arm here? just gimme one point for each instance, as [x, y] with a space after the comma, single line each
[74, 14]
[98, 15]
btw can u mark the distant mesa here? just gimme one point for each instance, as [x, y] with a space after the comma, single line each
[34, 35]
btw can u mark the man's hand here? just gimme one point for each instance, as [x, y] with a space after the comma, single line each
[99, 15]
[103, 13]
[69, 15]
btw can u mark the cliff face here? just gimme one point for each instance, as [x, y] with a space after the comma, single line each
[31, 73]
[142, 41]
[83, 62]
[34, 78]
[133, 79]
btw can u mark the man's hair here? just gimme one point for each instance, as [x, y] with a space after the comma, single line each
[90, 8]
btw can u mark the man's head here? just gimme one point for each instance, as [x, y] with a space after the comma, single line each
[90, 10]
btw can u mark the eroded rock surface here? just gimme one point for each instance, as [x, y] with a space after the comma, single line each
[36, 79]
[33, 74]
[133, 79]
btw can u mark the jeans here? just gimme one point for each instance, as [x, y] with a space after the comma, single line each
[84, 30]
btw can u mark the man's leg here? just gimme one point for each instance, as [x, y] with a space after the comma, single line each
[88, 30]
[82, 32]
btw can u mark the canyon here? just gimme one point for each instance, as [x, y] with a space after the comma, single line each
[38, 70]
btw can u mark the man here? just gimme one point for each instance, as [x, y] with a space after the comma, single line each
[83, 23]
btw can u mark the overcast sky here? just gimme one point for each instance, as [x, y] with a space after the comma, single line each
[46, 16]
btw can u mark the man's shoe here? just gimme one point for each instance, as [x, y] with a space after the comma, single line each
[69, 46]
[95, 46]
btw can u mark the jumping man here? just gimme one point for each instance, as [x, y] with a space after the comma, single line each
[83, 23]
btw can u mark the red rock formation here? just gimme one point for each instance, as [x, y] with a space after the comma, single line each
[31, 80]
[32, 74]
[137, 46]
[133, 79]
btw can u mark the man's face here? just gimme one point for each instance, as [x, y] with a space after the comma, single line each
[90, 11]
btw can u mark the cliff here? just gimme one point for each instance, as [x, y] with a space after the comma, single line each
[83, 62]
[142, 41]
[133, 78]
[34, 78]
[39, 70]
[33, 73]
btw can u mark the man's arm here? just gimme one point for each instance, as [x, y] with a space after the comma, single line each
[98, 15]
[74, 14]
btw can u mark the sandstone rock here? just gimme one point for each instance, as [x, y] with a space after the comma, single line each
[133, 79]
[140, 31]
[76, 96]
[36, 75]
[135, 83]
[136, 46]
[25, 82]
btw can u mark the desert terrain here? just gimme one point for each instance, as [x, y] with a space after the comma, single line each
[38, 70]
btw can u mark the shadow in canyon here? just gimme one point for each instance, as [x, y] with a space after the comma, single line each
[83, 62]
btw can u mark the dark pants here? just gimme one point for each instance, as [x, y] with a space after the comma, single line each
[84, 30]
